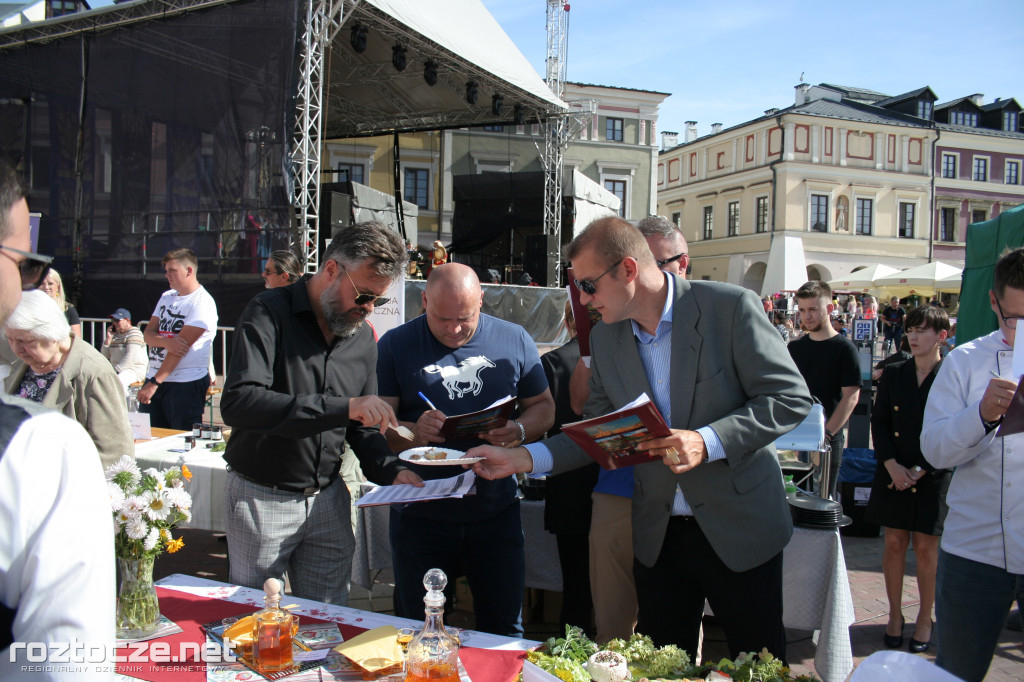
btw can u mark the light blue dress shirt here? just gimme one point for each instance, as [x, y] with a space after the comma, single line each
[656, 355]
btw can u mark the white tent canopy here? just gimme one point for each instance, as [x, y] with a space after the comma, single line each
[863, 279]
[787, 267]
[591, 201]
[920, 280]
[950, 284]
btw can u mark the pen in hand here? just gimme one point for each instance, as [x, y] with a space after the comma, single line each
[426, 400]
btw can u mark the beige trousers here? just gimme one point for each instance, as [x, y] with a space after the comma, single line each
[611, 567]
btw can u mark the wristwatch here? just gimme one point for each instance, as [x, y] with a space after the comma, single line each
[152, 380]
[989, 426]
[522, 431]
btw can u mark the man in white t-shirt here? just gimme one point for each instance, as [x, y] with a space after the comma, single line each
[180, 338]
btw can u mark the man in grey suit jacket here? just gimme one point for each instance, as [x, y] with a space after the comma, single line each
[710, 520]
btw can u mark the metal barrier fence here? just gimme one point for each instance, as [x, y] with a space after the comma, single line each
[94, 331]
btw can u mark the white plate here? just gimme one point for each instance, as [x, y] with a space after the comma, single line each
[415, 456]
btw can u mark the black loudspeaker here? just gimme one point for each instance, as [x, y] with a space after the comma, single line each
[540, 258]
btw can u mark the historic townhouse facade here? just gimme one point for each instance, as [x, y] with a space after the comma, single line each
[852, 173]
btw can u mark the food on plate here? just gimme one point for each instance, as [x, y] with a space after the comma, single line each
[435, 454]
[608, 666]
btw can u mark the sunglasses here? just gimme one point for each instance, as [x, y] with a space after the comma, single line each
[588, 286]
[363, 299]
[673, 259]
[33, 268]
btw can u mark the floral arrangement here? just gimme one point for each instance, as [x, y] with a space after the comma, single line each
[147, 505]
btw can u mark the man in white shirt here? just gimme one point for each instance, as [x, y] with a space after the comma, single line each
[125, 347]
[180, 338]
[57, 544]
[981, 556]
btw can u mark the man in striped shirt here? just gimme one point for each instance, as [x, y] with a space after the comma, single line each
[125, 347]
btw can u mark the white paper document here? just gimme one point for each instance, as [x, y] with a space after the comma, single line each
[437, 489]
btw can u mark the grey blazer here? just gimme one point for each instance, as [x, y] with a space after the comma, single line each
[730, 371]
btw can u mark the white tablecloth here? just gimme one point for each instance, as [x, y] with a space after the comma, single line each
[208, 476]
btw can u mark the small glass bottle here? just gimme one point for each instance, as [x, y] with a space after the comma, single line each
[272, 632]
[433, 654]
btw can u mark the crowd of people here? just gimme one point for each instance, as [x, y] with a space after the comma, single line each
[642, 548]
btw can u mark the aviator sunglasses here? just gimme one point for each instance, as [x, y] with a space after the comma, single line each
[363, 299]
[588, 286]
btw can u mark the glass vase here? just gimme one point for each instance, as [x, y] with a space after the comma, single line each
[138, 608]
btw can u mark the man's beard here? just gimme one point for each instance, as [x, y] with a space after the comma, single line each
[818, 327]
[342, 323]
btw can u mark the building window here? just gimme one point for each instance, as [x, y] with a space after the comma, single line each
[947, 225]
[761, 224]
[613, 129]
[494, 129]
[734, 218]
[924, 109]
[865, 211]
[349, 172]
[980, 169]
[1010, 121]
[907, 220]
[417, 186]
[819, 212]
[1012, 175]
[676, 217]
[618, 188]
[964, 118]
[949, 166]
[709, 219]
[978, 215]
[60, 8]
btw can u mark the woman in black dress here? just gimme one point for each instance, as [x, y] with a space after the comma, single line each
[908, 495]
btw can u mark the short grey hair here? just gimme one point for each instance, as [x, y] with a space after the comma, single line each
[657, 225]
[372, 241]
[39, 314]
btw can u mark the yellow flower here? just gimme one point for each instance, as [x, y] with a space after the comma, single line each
[185, 473]
[165, 534]
[174, 545]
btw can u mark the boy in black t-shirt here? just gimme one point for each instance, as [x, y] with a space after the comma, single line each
[830, 366]
[892, 325]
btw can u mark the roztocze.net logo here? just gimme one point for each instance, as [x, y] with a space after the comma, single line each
[135, 652]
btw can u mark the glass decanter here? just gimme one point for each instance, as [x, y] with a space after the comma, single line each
[272, 632]
[433, 654]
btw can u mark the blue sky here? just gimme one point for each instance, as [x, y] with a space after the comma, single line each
[727, 61]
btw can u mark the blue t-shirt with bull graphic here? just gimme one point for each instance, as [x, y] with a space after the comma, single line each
[499, 360]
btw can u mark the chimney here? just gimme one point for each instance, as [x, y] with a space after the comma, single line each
[691, 131]
[801, 93]
[771, 112]
[977, 98]
[716, 128]
[669, 140]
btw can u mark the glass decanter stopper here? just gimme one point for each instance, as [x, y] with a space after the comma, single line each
[272, 631]
[433, 654]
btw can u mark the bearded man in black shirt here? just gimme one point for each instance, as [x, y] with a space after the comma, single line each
[301, 381]
[830, 367]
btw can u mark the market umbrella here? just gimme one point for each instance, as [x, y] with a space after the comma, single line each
[951, 284]
[863, 279]
[920, 280]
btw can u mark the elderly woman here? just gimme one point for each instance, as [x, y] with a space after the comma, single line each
[283, 268]
[66, 373]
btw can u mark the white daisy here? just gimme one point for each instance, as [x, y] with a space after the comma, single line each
[187, 513]
[126, 463]
[123, 517]
[151, 539]
[137, 528]
[157, 505]
[116, 496]
[179, 498]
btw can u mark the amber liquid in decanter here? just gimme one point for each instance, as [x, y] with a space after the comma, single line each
[272, 632]
[433, 654]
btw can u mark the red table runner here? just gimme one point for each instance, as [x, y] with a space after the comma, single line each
[189, 611]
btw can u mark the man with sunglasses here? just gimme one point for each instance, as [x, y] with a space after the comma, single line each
[981, 556]
[56, 551]
[462, 361]
[667, 244]
[302, 382]
[710, 520]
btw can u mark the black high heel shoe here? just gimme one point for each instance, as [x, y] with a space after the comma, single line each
[896, 641]
[917, 647]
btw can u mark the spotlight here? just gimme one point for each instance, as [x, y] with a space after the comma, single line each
[398, 57]
[519, 115]
[430, 72]
[358, 39]
[471, 92]
[497, 104]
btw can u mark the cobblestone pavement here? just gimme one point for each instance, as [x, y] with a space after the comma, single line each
[205, 555]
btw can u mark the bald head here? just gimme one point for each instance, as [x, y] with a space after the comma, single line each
[452, 300]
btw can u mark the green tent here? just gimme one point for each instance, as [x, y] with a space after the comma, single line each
[986, 241]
